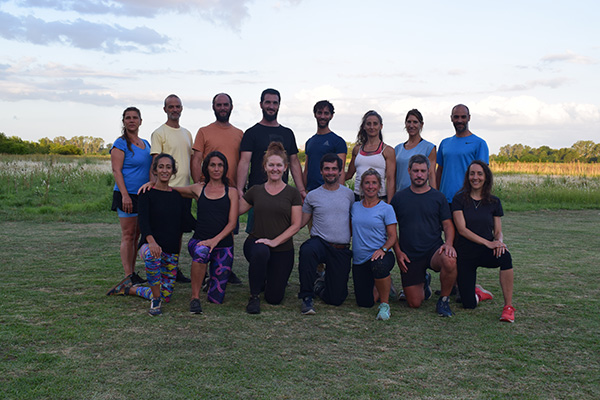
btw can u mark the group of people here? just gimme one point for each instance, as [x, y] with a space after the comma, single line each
[395, 214]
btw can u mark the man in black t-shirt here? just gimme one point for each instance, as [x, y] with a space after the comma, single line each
[422, 213]
[256, 140]
[254, 144]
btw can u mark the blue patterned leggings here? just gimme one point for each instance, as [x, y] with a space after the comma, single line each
[221, 260]
[159, 271]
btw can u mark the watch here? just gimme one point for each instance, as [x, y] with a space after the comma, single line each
[384, 249]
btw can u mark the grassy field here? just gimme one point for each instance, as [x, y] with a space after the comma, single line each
[62, 338]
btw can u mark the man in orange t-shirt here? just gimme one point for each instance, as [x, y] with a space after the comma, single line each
[218, 136]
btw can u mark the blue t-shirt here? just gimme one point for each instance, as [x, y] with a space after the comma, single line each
[403, 156]
[369, 229]
[136, 165]
[316, 147]
[454, 155]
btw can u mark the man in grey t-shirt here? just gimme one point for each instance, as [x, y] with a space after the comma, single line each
[329, 206]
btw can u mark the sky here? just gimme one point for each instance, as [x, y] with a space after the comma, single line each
[528, 70]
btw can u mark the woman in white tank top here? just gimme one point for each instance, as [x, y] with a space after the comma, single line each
[371, 152]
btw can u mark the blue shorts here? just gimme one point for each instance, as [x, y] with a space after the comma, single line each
[123, 214]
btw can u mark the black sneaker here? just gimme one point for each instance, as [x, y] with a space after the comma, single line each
[253, 306]
[195, 306]
[181, 278]
[307, 306]
[319, 285]
[155, 305]
[233, 279]
[136, 279]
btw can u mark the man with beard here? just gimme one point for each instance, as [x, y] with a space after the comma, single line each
[323, 142]
[254, 145]
[218, 136]
[456, 153]
[329, 207]
[422, 212]
[173, 139]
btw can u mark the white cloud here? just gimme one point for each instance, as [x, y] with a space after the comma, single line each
[569, 57]
[550, 83]
[80, 34]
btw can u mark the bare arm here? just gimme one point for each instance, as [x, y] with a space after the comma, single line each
[351, 167]
[390, 172]
[231, 221]
[296, 170]
[117, 157]
[438, 176]
[448, 246]
[190, 192]
[461, 226]
[289, 232]
[305, 173]
[196, 166]
[243, 206]
[242, 172]
[342, 180]
[305, 218]
[389, 243]
[432, 172]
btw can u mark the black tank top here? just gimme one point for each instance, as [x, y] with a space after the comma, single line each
[212, 217]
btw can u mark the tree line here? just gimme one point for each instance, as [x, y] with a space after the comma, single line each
[585, 151]
[77, 145]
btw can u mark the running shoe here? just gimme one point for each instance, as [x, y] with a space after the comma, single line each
[307, 306]
[119, 288]
[384, 312]
[155, 305]
[443, 307]
[483, 294]
[234, 279]
[402, 296]
[195, 306]
[181, 278]
[508, 314]
[136, 279]
[319, 285]
[427, 286]
[253, 306]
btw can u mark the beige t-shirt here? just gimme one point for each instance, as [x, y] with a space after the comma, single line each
[226, 140]
[178, 143]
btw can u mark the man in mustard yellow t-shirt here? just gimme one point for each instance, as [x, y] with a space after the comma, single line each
[173, 139]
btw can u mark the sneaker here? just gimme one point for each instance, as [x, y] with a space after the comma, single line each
[234, 279]
[483, 294]
[402, 296]
[136, 279]
[181, 278]
[307, 306]
[119, 288]
[195, 306]
[384, 312]
[508, 314]
[319, 285]
[427, 286]
[253, 306]
[155, 307]
[443, 307]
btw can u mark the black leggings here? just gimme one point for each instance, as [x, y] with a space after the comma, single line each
[268, 269]
[467, 271]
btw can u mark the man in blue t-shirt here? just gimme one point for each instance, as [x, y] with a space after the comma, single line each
[321, 143]
[456, 153]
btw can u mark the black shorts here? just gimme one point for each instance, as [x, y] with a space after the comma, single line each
[417, 268]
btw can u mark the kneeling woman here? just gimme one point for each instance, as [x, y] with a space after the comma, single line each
[213, 239]
[476, 213]
[373, 235]
[277, 216]
[162, 220]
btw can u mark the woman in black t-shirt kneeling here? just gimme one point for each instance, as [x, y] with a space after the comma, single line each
[476, 213]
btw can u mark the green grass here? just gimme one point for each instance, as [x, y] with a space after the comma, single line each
[62, 338]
